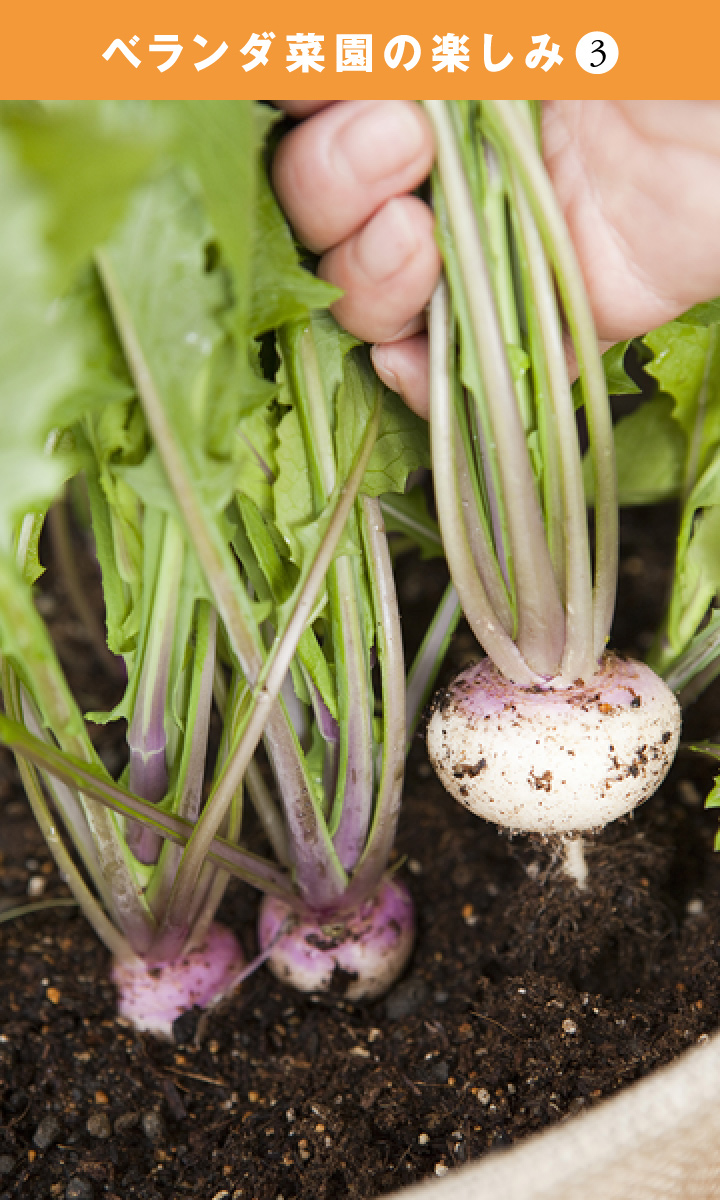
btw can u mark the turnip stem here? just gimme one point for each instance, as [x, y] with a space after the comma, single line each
[49, 689]
[108, 933]
[147, 736]
[263, 803]
[429, 658]
[578, 657]
[481, 548]
[388, 634]
[540, 615]
[306, 828]
[323, 881]
[354, 775]
[483, 619]
[188, 783]
[110, 795]
[518, 140]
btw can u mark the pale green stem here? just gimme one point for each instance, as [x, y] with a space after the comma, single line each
[518, 140]
[265, 807]
[483, 619]
[104, 791]
[266, 691]
[388, 634]
[27, 910]
[189, 782]
[479, 539]
[429, 659]
[89, 906]
[540, 614]
[230, 600]
[578, 657]
[53, 697]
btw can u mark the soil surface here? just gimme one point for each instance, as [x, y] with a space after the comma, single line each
[526, 1001]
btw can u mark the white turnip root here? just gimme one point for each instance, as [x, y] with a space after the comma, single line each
[153, 995]
[363, 953]
[552, 761]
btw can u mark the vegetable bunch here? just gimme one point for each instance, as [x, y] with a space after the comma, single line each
[549, 734]
[161, 339]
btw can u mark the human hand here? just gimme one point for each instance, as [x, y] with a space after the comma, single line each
[638, 180]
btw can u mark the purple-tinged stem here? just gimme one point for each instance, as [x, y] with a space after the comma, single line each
[108, 933]
[147, 736]
[321, 879]
[388, 633]
[103, 790]
[317, 867]
[354, 795]
[191, 773]
[46, 682]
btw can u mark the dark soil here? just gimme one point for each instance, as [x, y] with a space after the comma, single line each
[525, 1001]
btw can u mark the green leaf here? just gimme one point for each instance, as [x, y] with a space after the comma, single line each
[254, 454]
[696, 581]
[408, 514]
[39, 353]
[402, 444]
[617, 379]
[292, 490]
[149, 482]
[220, 139]
[85, 159]
[707, 313]
[282, 290]
[686, 365]
[650, 453]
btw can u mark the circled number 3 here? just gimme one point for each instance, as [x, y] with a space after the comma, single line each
[597, 52]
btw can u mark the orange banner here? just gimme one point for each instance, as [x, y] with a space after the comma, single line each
[154, 49]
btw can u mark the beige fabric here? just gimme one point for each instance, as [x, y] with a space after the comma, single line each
[657, 1140]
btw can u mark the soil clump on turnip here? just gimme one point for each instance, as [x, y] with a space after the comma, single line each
[525, 1001]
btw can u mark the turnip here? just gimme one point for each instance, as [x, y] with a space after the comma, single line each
[549, 734]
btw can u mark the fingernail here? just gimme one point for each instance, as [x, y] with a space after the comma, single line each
[388, 377]
[386, 243]
[383, 138]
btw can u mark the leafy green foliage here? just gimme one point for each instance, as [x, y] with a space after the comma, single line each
[146, 277]
[650, 451]
[677, 441]
[707, 313]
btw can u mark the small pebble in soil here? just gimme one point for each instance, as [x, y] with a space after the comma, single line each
[406, 999]
[79, 1188]
[153, 1126]
[47, 1133]
[441, 1168]
[98, 1125]
[7, 1162]
[423, 1139]
[125, 1122]
[569, 1026]
[695, 908]
[689, 793]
